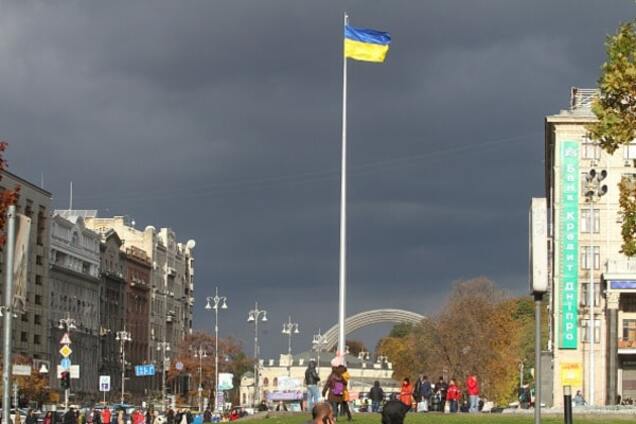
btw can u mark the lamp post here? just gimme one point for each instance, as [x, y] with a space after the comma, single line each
[253, 316]
[318, 342]
[67, 324]
[122, 337]
[163, 347]
[290, 328]
[594, 190]
[215, 303]
[200, 353]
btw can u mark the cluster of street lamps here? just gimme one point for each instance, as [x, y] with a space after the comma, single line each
[214, 303]
[122, 337]
[254, 316]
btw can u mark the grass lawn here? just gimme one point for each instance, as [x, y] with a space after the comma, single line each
[451, 419]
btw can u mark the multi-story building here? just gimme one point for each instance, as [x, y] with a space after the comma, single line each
[137, 312]
[585, 252]
[113, 303]
[171, 279]
[74, 282]
[31, 332]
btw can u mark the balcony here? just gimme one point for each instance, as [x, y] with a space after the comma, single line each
[620, 273]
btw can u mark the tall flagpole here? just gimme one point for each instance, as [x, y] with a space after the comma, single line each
[343, 209]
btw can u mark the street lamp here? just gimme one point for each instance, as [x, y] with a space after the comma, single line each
[318, 343]
[290, 328]
[163, 347]
[253, 316]
[122, 337]
[215, 303]
[67, 324]
[200, 353]
[594, 190]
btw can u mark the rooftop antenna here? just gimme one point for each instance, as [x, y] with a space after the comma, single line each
[42, 180]
[70, 199]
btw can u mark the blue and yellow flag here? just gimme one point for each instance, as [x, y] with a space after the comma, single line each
[367, 45]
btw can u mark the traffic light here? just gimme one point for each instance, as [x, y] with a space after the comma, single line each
[65, 380]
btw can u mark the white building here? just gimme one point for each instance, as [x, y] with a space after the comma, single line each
[584, 250]
[273, 372]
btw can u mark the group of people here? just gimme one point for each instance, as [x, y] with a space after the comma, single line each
[424, 396]
[108, 416]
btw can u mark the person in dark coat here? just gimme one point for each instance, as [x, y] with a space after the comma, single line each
[394, 412]
[70, 417]
[376, 394]
[311, 381]
[441, 389]
[207, 416]
[30, 418]
[170, 416]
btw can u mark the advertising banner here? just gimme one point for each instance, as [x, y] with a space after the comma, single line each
[225, 381]
[570, 181]
[538, 245]
[571, 374]
[21, 262]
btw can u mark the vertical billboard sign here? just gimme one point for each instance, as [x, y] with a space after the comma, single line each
[569, 243]
[538, 245]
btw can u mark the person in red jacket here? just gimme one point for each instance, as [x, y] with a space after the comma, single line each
[106, 416]
[406, 392]
[472, 387]
[453, 395]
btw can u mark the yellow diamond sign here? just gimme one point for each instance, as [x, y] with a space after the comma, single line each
[65, 351]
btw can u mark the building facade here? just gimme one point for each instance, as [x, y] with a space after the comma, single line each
[138, 268]
[74, 281]
[112, 305]
[171, 292]
[585, 252]
[31, 332]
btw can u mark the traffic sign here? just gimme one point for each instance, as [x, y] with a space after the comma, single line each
[65, 351]
[104, 383]
[65, 339]
[21, 369]
[74, 370]
[179, 365]
[144, 370]
[65, 363]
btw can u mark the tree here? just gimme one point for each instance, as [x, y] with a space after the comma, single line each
[479, 329]
[232, 359]
[615, 110]
[34, 387]
[7, 197]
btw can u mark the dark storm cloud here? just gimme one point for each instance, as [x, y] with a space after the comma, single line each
[221, 119]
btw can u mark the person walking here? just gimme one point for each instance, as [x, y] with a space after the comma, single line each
[311, 381]
[335, 386]
[70, 417]
[422, 393]
[170, 416]
[376, 394]
[472, 388]
[344, 405]
[406, 392]
[48, 418]
[207, 416]
[453, 395]
[30, 417]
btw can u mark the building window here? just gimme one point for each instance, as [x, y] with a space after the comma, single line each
[590, 150]
[586, 223]
[38, 280]
[23, 337]
[585, 325]
[265, 382]
[629, 330]
[25, 317]
[585, 294]
[586, 257]
[38, 260]
[38, 299]
[629, 151]
[37, 319]
[36, 339]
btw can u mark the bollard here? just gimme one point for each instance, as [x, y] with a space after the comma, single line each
[567, 404]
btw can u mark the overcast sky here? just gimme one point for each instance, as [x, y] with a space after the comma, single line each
[222, 120]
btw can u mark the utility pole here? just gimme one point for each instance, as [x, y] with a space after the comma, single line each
[122, 337]
[215, 303]
[8, 314]
[253, 316]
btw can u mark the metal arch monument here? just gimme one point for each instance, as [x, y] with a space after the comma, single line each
[363, 319]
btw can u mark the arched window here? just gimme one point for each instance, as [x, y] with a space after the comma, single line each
[275, 382]
[265, 382]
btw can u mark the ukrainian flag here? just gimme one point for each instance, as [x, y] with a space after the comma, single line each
[367, 45]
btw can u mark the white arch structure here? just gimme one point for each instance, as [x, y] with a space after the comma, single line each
[363, 319]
